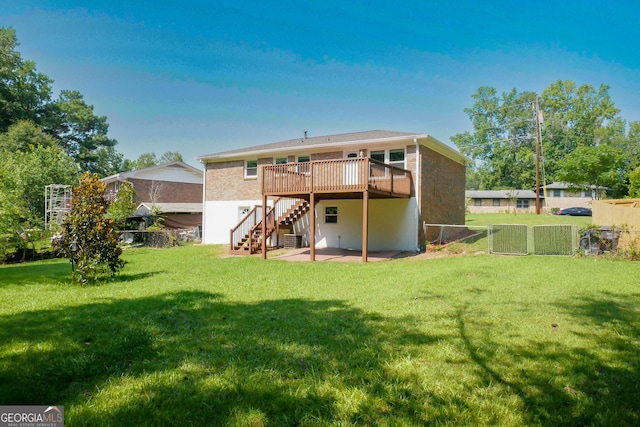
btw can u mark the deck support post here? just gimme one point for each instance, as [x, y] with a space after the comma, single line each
[312, 227]
[365, 225]
[264, 227]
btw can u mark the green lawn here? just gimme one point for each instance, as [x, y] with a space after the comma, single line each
[185, 337]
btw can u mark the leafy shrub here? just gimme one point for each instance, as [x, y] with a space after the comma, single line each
[89, 238]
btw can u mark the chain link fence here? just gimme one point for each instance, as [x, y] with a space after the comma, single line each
[546, 240]
[159, 238]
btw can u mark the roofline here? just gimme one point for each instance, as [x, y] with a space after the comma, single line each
[122, 176]
[424, 139]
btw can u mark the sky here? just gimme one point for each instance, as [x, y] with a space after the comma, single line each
[200, 77]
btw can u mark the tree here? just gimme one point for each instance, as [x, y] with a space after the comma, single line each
[30, 160]
[169, 157]
[634, 183]
[598, 165]
[89, 238]
[576, 116]
[503, 139]
[25, 94]
[147, 160]
[80, 132]
[123, 205]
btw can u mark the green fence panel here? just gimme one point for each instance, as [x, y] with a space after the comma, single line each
[554, 239]
[512, 239]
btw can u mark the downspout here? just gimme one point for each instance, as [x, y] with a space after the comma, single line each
[204, 200]
[418, 190]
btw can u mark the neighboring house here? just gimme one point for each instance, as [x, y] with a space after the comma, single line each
[369, 190]
[501, 201]
[175, 188]
[562, 195]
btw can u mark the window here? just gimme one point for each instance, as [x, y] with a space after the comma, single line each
[243, 211]
[522, 204]
[377, 155]
[586, 194]
[396, 158]
[393, 157]
[303, 168]
[496, 202]
[251, 169]
[331, 215]
[477, 202]
[556, 193]
[281, 161]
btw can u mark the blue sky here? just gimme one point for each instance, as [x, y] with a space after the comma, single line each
[205, 76]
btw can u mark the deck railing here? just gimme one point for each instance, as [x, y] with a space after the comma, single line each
[336, 176]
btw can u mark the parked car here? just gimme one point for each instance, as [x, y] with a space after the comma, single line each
[574, 212]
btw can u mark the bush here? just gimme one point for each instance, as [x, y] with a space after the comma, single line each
[89, 238]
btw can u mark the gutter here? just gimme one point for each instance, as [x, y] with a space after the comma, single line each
[418, 186]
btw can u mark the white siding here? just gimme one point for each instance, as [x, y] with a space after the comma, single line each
[220, 218]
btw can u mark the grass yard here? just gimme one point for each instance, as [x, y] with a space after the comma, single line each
[186, 337]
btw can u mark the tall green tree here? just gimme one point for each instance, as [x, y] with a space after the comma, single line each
[577, 116]
[502, 138]
[504, 133]
[597, 165]
[25, 94]
[35, 162]
[81, 133]
[29, 160]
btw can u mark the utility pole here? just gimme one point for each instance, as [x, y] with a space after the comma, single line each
[538, 207]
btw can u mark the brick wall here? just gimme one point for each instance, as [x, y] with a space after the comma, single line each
[226, 181]
[442, 190]
[167, 192]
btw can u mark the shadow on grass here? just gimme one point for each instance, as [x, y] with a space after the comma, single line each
[190, 358]
[56, 271]
[36, 273]
[595, 383]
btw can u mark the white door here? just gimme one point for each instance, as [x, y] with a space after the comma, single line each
[351, 170]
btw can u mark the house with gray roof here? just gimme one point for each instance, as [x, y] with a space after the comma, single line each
[501, 201]
[175, 188]
[369, 190]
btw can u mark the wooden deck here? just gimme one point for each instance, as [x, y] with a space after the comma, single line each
[347, 178]
[353, 178]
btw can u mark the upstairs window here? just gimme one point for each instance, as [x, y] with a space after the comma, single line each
[393, 157]
[378, 155]
[303, 168]
[251, 169]
[396, 158]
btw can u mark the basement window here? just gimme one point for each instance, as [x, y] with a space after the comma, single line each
[331, 215]
[251, 169]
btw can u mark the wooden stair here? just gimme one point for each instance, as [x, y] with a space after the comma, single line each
[251, 242]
